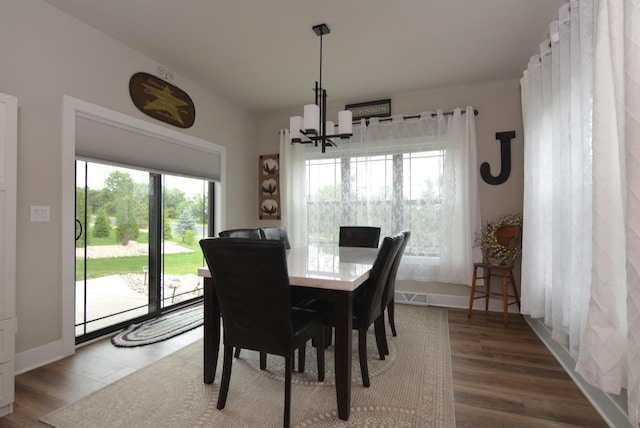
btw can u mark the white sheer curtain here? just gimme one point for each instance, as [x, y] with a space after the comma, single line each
[460, 219]
[415, 174]
[632, 141]
[293, 197]
[557, 102]
[580, 241]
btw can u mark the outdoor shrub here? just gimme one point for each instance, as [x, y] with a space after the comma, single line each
[185, 223]
[102, 226]
[127, 227]
[166, 230]
[189, 237]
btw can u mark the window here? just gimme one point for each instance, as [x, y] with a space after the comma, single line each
[137, 245]
[418, 174]
[394, 191]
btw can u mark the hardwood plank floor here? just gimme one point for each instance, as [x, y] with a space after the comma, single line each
[506, 377]
[94, 366]
[503, 377]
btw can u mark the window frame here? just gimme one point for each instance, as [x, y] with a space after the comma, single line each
[72, 109]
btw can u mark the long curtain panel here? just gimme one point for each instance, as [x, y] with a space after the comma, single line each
[293, 197]
[556, 250]
[602, 358]
[580, 240]
[632, 141]
[414, 174]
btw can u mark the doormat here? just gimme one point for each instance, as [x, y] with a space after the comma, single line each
[161, 328]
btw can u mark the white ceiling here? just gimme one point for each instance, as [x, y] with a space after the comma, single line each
[263, 54]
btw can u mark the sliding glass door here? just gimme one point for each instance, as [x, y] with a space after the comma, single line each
[137, 248]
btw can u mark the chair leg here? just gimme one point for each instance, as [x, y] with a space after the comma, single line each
[288, 367]
[392, 319]
[320, 357]
[515, 289]
[487, 273]
[263, 360]
[472, 294]
[226, 376]
[362, 351]
[237, 353]
[378, 328]
[302, 353]
[385, 344]
[505, 299]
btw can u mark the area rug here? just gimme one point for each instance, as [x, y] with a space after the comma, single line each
[412, 387]
[161, 328]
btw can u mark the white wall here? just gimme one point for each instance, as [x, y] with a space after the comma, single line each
[47, 54]
[499, 109]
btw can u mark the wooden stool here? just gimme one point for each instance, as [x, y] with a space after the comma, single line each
[488, 270]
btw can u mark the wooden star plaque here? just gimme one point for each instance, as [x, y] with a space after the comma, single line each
[162, 100]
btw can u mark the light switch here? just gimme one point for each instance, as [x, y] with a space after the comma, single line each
[39, 213]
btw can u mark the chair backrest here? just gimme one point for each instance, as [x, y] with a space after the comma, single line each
[279, 233]
[508, 236]
[389, 289]
[240, 233]
[252, 285]
[359, 236]
[368, 303]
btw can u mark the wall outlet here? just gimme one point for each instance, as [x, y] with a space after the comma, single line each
[39, 213]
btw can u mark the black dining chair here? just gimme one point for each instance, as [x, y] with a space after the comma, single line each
[246, 233]
[240, 233]
[252, 285]
[279, 233]
[388, 299]
[359, 236]
[367, 303]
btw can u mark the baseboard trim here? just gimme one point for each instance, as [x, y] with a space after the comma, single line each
[613, 409]
[37, 357]
[449, 301]
[5, 410]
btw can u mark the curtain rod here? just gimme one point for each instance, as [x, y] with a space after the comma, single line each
[417, 116]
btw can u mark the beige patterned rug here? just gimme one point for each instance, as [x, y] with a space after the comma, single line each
[411, 388]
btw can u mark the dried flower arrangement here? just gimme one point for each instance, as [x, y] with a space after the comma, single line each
[487, 241]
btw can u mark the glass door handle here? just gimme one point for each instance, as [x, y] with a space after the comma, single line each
[78, 229]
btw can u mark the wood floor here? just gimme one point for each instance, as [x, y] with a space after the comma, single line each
[506, 377]
[503, 377]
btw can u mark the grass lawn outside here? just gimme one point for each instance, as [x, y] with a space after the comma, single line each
[182, 263]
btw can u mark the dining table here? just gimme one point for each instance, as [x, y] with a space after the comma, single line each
[326, 272]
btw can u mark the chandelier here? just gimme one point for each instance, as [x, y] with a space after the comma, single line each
[313, 127]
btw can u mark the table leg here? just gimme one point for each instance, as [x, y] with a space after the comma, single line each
[211, 331]
[343, 352]
[343, 308]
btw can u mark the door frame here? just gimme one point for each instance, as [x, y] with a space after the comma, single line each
[73, 108]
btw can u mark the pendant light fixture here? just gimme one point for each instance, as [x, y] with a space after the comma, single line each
[313, 126]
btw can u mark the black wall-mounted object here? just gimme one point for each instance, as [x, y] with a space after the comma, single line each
[379, 108]
[505, 160]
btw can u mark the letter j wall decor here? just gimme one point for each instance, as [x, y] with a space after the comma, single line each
[269, 187]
